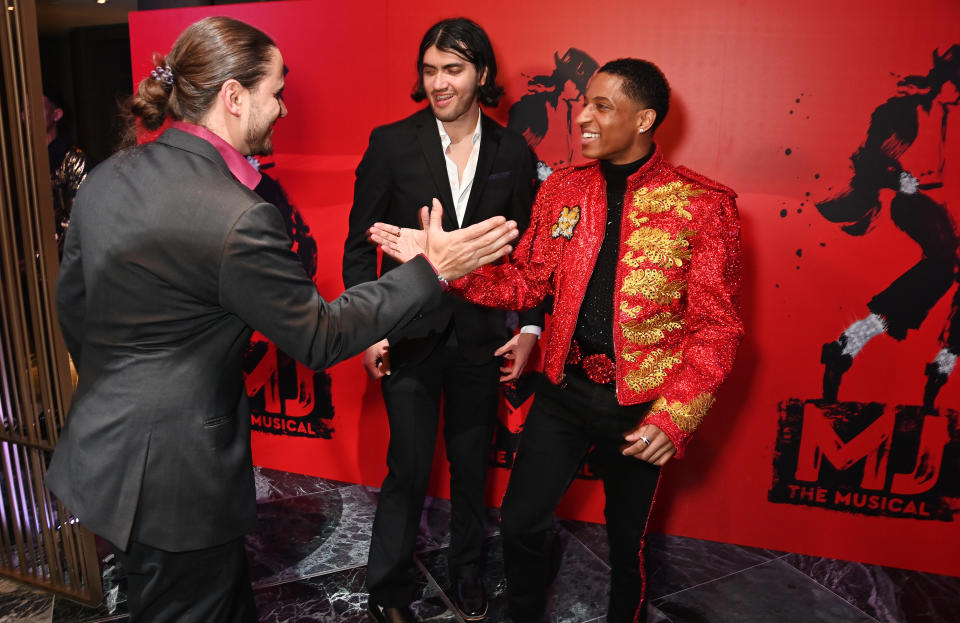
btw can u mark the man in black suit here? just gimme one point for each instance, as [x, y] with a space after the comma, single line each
[171, 261]
[476, 168]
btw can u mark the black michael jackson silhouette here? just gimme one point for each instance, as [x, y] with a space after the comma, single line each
[566, 85]
[879, 163]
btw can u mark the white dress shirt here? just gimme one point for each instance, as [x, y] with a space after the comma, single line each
[460, 186]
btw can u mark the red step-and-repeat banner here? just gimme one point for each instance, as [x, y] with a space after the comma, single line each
[834, 123]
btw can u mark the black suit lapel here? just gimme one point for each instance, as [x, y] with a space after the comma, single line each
[489, 145]
[429, 138]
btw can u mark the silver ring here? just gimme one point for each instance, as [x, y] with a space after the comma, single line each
[645, 440]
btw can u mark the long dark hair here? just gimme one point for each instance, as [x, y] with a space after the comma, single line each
[465, 38]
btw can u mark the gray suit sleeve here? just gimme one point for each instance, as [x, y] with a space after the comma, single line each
[71, 290]
[263, 283]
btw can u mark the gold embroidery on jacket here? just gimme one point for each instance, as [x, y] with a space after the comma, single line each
[652, 371]
[653, 284]
[569, 217]
[658, 247]
[630, 311]
[672, 197]
[688, 416]
[650, 330]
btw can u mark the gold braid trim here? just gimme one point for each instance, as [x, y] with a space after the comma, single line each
[630, 311]
[652, 371]
[658, 247]
[650, 330]
[688, 416]
[672, 197]
[653, 284]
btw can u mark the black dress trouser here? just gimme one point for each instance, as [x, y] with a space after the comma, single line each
[210, 585]
[412, 395]
[563, 423]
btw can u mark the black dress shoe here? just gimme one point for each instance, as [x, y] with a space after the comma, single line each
[470, 599]
[835, 363]
[935, 380]
[380, 614]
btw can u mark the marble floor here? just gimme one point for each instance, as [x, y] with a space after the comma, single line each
[307, 561]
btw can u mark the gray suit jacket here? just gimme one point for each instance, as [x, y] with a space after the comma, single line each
[169, 265]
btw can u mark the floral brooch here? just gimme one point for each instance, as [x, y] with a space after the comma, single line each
[569, 217]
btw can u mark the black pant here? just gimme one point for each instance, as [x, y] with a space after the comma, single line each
[563, 423]
[210, 585]
[412, 395]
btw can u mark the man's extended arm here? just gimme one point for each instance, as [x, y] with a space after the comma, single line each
[263, 283]
[525, 279]
[522, 282]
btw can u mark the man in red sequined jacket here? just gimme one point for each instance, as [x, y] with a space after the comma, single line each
[676, 301]
[642, 260]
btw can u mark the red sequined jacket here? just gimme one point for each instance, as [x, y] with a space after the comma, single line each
[676, 305]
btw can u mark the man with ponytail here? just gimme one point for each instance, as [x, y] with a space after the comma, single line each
[170, 263]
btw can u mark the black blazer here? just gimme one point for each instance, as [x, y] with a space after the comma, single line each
[404, 169]
[169, 265]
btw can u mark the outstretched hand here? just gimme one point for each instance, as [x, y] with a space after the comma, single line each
[454, 253]
[400, 243]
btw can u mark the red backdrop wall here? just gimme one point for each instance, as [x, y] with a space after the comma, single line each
[772, 99]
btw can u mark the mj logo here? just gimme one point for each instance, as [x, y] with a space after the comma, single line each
[866, 458]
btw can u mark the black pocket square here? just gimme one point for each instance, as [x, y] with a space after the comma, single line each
[498, 176]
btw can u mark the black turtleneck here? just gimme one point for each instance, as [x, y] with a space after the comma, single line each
[595, 324]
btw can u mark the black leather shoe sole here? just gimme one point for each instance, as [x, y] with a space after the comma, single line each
[467, 616]
[389, 615]
[479, 611]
